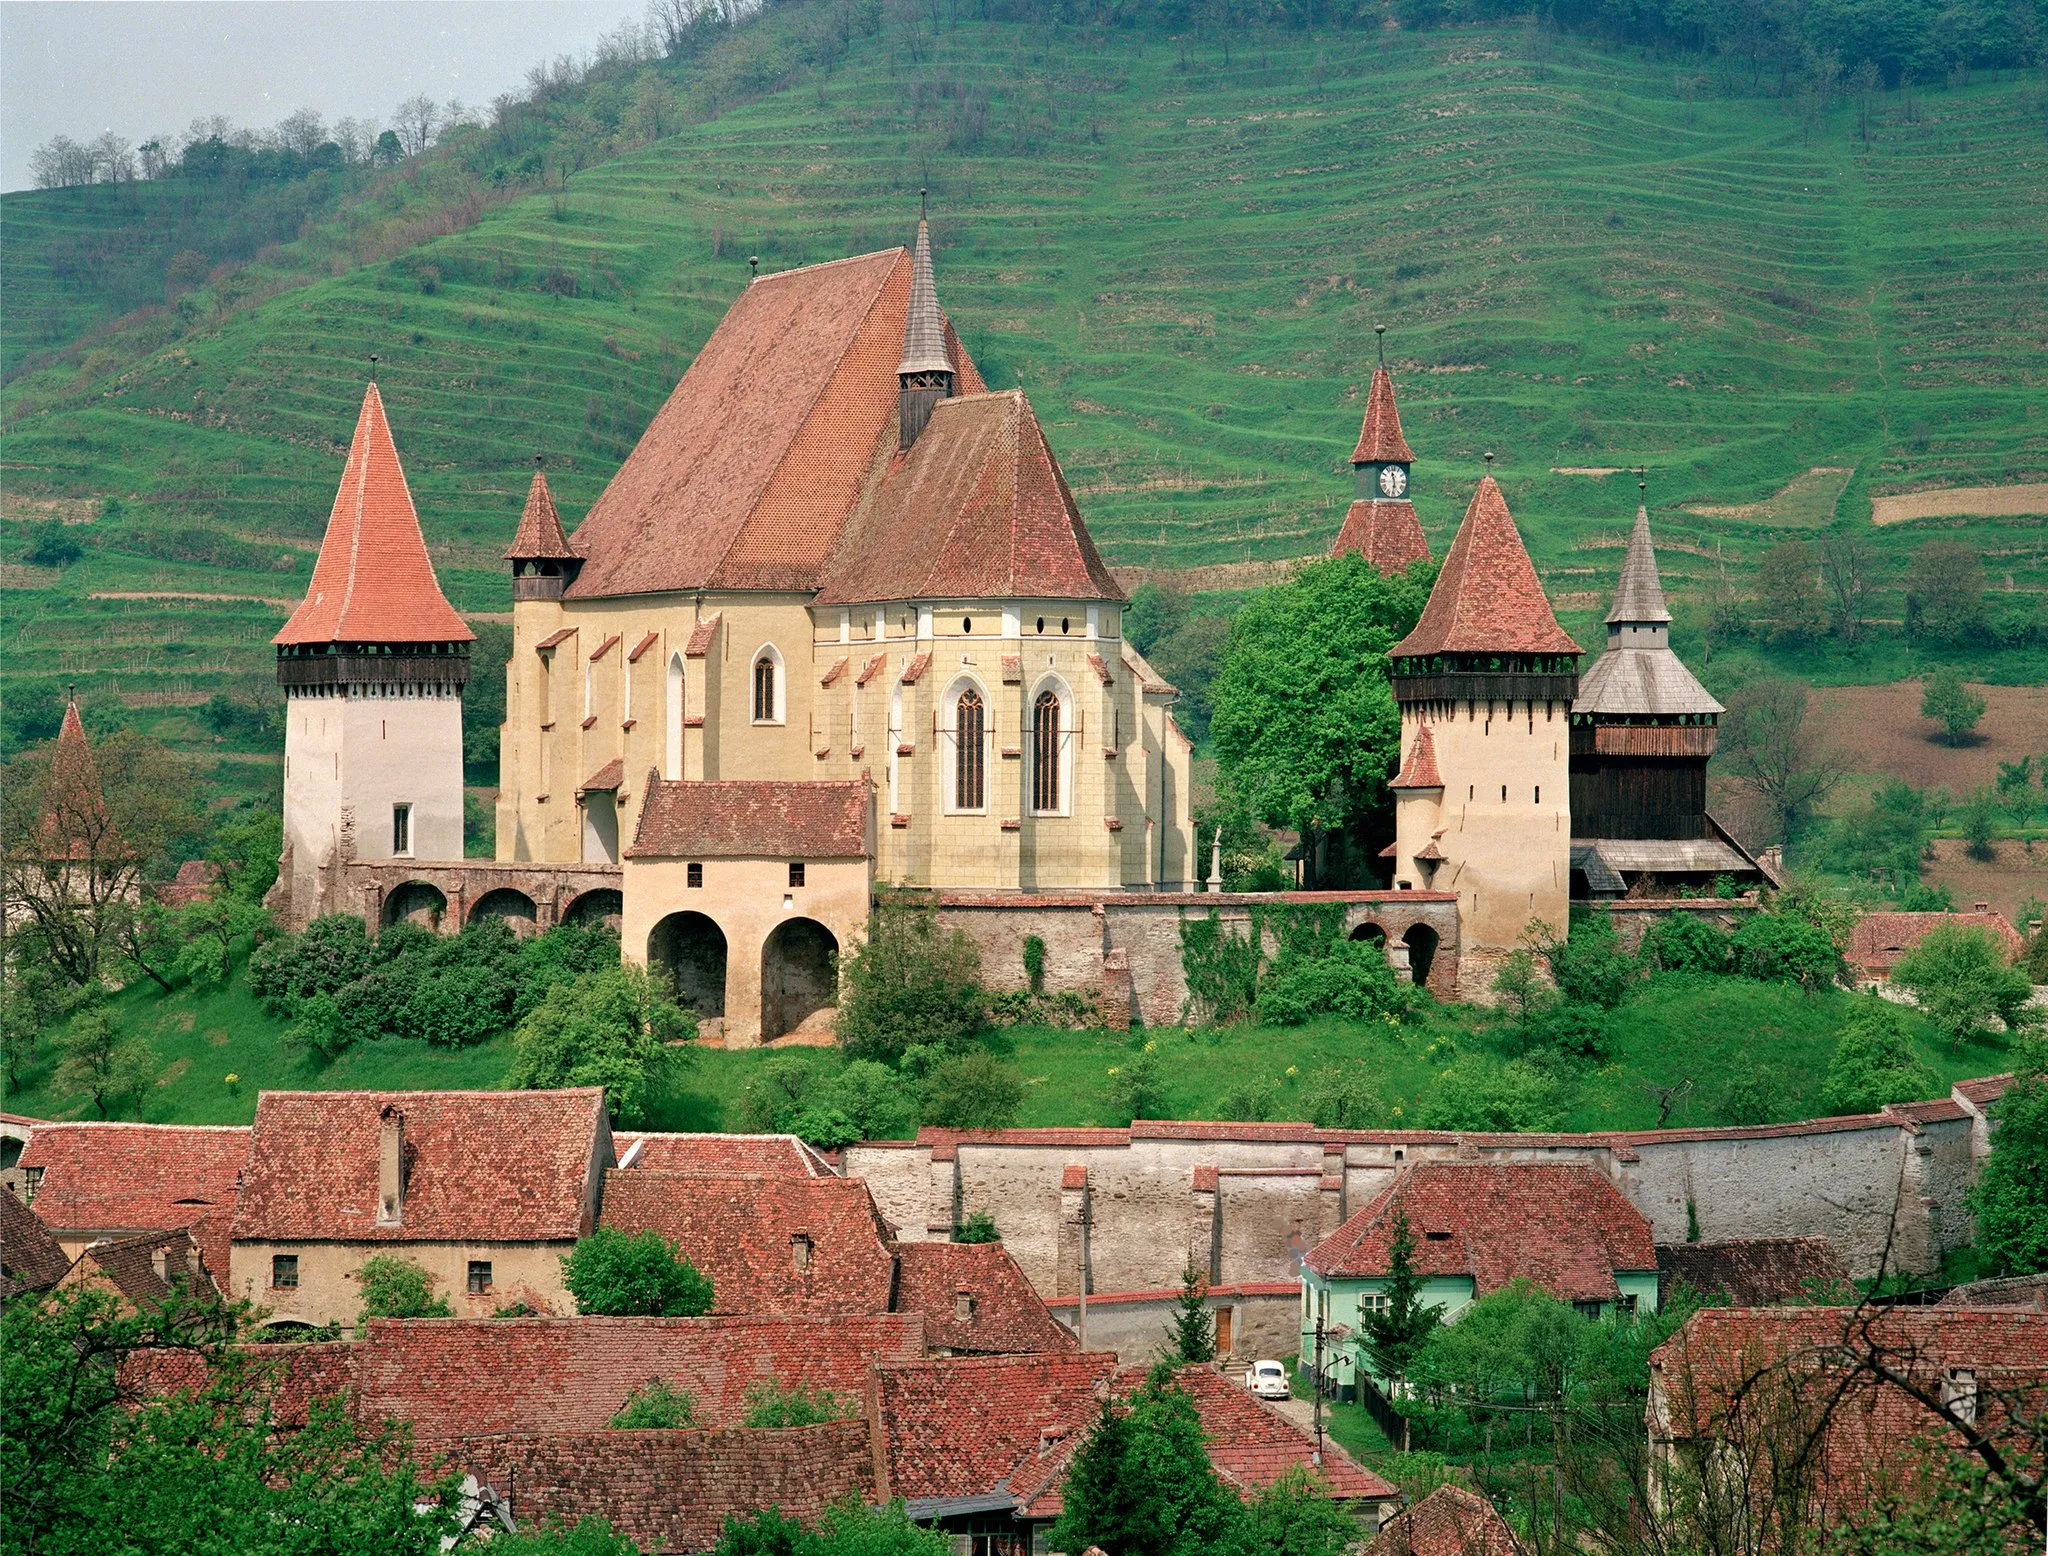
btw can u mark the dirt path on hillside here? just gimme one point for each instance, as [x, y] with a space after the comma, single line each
[183, 594]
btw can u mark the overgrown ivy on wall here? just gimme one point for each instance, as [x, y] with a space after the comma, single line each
[1224, 967]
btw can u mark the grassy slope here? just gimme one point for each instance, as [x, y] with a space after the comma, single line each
[1711, 1033]
[1584, 260]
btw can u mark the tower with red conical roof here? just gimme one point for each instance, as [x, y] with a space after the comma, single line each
[1485, 683]
[372, 663]
[1381, 524]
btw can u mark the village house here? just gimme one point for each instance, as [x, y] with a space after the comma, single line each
[95, 1182]
[30, 1259]
[1879, 940]
[1450, 1521]
[486, 1191]
[1477, 1227]
[1753, 1271]
[1790, 1420]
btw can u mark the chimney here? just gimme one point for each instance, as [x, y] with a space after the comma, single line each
[1983, 907]
[390, 1166]
[159, 1261]
[192, 1265]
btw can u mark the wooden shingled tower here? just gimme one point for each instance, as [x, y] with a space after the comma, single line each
[373, 663]
[1381, 524]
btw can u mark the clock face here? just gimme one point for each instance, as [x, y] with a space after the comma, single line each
[1393, 480]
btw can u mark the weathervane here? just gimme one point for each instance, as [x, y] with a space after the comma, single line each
[754, 267]
[923, 204]
[1381, 331]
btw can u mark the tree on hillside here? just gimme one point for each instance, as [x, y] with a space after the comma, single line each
[1874, 1062]
[1768, 748]
[1945, 592]
[634, 1274]
[616, 1028]
[416, 119]
[2010, 1198]
[99, 1059]
[1788, 590]
[1951, 704]
[1305, 724]
[1960, 976]
[1392, 1336]
[912, 982]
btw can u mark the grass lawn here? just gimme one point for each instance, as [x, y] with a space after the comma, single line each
[1753, 1052]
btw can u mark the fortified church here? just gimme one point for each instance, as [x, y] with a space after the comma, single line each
[837, 624]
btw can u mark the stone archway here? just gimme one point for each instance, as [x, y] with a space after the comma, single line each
[799, 975]
[1371, 933]
[689, 949]
[510, 904]
[603, 906]
[418, 902]
[1421, 942]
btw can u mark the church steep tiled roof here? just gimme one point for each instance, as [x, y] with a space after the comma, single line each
[540, 536]
[745, 477]
[75, 822]
[1487, 599]
[1385, 532]
[374, 582]
[1379, 438]
[976, 509]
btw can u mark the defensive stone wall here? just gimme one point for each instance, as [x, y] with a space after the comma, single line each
[1126, 1210]
[444, 895]
[1632, 917]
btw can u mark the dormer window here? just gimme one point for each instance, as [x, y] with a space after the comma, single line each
[1437, 1237]
[800, 1251]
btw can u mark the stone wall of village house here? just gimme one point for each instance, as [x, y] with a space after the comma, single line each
[1143, 1209]
[574, 707]
[1505, 815]
[329, 1292]
[1262, 1324]
[347, 761]
[749, 900]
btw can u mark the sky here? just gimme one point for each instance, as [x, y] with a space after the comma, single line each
[81, 67]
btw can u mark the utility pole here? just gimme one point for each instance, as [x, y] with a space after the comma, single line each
[1319, 1386]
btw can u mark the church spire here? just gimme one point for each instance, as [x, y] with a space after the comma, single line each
[1381, 524]
[1487, 599]
[1640, 599]
[925, 375]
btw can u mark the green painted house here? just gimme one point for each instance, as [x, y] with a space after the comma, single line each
[1477, 1226]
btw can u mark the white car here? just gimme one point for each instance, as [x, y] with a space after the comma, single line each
[1267, 1379]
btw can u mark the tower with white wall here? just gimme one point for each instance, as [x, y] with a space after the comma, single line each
[372, 663]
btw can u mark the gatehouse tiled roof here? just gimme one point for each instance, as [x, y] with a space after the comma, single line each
[1564, 1227]
[374, 582]
[745, 477]
[976, 509]
[749, 818]
[1487, 599]
[497, 1166]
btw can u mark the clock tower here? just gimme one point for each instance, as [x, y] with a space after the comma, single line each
[1381, 524]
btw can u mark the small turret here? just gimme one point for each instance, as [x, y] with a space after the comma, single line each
[925, 375]
[543, 565]
[1381, 524]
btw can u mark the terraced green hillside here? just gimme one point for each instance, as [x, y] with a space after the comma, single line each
[1586, 261]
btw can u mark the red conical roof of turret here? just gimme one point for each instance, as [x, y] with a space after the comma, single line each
[1487, 599]
[1379, 439]
[1420, 770]
[374, 582]
[540, 537]
[74, 823]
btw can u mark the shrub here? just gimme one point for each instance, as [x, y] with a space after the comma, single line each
[1350, 979]
[51, 544]
[655, 1405]
[978, 1227]
[1252, 1100]
[1514, 1097]
[973, 1091]
[1686, 943]
[1566, 1027]
[769, 1404]
[1589, 963]
[1781, 947]
[1963, 982]
[1342, 1097]
[877, 1101]
[1034, 963]
[1750, 1097]
[611, 1029]
[1951, 704]
[2011, 1194]
[634, 1274]
[911, 982]
[393, 1286]
[1874, 1062]
[590, 1537]
[325, 957]
[1221, 968]
[1137, 1089]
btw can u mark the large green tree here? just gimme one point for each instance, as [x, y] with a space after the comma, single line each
[634, 1275]
[1141, 1483]
[2011, 1195]
[1305, 724]
[616, 1029]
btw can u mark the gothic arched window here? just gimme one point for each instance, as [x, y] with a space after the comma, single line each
[764, 690]
[969, 778]
[1045, 752]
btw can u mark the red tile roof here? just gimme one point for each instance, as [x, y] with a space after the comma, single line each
[976, 509]
[1736, 1375]
[767, 441]
[1755, 1271]
[743, 1232]
[736, 819]
[30, 1259]
[1565, 1227]
[116, 1178]
[1487, 599]
[1420, 770]
[540, 536]
[1005, 1314]
[1880, 939]
[1450, 1521]
[1379, 436]
[1983, 1091]
[374, 582]
[671, 1490]
[607, 777]
[1385, 532]
[768, 1156]
[701, 636]
[957, 1427]
[129, 1266]
[1251, 1443]
[642, 647]
[502, 1166]
[466, 1378]
[292, 1375]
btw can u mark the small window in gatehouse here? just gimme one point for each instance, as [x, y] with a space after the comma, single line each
[693, 874]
